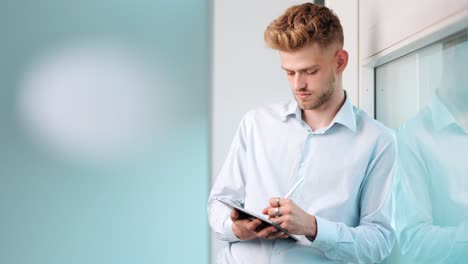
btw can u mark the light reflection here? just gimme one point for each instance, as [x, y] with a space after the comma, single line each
[91, 102]
[431, 215]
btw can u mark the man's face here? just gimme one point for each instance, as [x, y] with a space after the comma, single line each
[311, 72]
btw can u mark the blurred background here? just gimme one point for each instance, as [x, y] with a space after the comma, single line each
[115, 116]
[104, 111]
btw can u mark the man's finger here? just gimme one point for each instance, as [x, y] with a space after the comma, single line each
[266, 231]
[265, 210]
[280, 219]
[275, 201]
[252, 225]
[279, 201]
[274, 212]
[275, 235]
[234, 215]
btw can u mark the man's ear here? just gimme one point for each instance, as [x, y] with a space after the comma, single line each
[341, 60]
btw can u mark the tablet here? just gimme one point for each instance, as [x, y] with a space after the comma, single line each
[244, 213]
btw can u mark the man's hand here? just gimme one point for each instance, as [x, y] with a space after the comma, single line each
[291, 217]
[246, 229]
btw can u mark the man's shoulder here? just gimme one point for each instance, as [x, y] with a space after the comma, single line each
[420, 123]
[417, 129]
[271, 112]
[372, 128]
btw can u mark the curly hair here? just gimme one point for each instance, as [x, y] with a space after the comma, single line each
[304, 24]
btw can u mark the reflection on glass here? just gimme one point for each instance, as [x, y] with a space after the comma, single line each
[431, 213]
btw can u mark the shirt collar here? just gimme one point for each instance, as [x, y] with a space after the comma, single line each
[441, 116]
[290, 109]
[345, 115]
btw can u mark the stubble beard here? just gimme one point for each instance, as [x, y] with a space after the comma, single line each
[317, 101]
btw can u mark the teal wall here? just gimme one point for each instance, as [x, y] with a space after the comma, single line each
[62, 204]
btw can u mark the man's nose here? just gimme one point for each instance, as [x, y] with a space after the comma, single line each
[299, 81]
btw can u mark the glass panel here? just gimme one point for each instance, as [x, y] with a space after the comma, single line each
[104, 131]
[429, 96]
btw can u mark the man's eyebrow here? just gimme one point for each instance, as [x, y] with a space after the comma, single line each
[313, 67]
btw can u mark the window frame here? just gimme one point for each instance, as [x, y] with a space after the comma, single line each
[428, 36]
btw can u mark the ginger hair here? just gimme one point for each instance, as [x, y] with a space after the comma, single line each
[302, 25]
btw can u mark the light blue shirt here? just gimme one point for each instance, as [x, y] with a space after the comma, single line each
[432, 188]
[348, 170]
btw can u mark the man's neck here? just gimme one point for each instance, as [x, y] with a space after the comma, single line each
[323, 116]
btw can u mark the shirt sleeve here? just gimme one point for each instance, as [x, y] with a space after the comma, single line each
[373, 239]
[419, 238]
[229, 185]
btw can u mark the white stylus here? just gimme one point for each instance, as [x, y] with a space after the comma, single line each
[294, 187]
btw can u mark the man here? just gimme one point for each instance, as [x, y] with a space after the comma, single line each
[342, 158]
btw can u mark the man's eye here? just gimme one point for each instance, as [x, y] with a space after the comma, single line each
[290, 73]
[312, 72]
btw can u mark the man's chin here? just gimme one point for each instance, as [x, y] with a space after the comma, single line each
[308, 106]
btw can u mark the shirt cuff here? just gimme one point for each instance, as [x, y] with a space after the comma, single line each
[327, 231]
[227, 226]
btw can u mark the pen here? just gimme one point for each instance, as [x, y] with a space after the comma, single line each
[294, 187]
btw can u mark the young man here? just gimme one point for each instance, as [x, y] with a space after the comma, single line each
[343, 159]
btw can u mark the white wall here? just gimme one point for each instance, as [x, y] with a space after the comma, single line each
[347, 11]
[383, 24]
